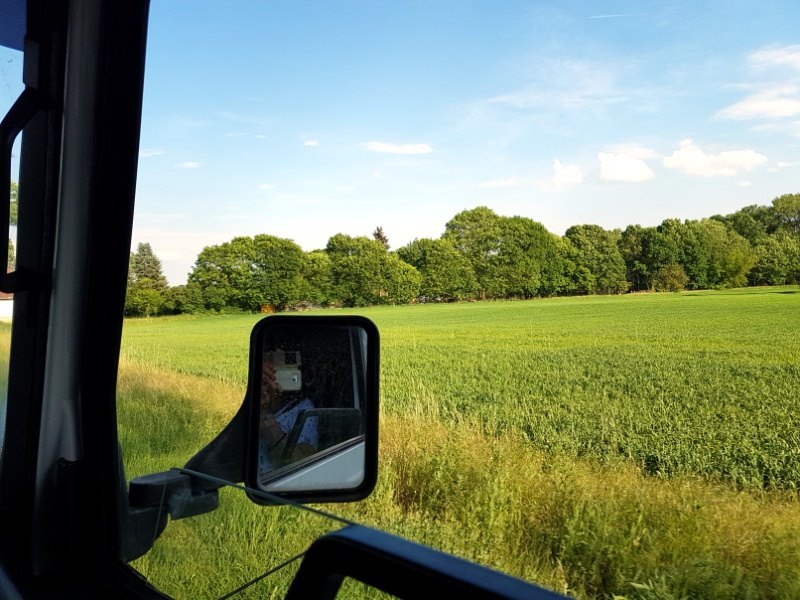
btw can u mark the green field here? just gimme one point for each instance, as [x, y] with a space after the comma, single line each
[641, 445]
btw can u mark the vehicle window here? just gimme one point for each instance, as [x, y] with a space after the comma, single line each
[10, 88]
[577, 229]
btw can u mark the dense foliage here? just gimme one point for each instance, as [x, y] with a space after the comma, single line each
[147, 287]
[480, 255]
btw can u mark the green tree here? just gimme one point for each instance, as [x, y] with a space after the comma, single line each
[14, 209]
[317, 278]
[249, 273]
[631, 247]
[787, 212]
[530, 260]
[475, 233]
[143, 299]
[730, 256]
[217, 270]
[658, 250]
[697, 251]
[446, 273]
[277, 272]
[670, 278]
[401, 281]
[711, 253]
[754, 222]
[777, 260]
[559, 269]
[144, 264]
[364, 273]
[184, 299]
[597, 251]
[380, 236]
[342, 244]
[147, 284]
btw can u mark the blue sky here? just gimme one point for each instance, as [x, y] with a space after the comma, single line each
[305, 119]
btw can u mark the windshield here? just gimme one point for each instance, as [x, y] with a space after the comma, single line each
[577, 228]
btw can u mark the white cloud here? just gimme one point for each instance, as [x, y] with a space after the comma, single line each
[777, 56]
[189, 164]
[260, 136]
[776, 94]
[781, 165]
[399, 148]
[786, 126]
[266, 186]
[689, 158]
[775, 103]
[499, 183]
[623, 167]
[566, 175]
[743, 183]
[312, 143]
[148, 152]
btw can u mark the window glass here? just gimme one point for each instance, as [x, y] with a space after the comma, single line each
[10, 88]
[578, 232]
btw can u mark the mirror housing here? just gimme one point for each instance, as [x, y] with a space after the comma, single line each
[312, 409]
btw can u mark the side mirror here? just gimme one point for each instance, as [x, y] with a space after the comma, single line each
[307, 430]
[312, 409]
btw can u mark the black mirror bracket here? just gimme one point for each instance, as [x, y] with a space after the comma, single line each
[179, 494]
[152, 497]
[173, 492]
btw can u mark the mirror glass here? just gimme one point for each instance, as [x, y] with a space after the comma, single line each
[314, 401]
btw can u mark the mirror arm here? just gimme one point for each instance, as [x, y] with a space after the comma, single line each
[223, 457]
[184, 495]
[172, 492]
[177, 494]
[151, 498]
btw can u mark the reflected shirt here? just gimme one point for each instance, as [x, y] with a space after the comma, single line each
[286, 418]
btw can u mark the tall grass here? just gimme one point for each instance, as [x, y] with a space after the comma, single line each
[644, 446]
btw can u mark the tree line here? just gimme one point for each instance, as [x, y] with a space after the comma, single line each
[480, 255]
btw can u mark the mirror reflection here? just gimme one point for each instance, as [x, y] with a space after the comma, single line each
[312, 417]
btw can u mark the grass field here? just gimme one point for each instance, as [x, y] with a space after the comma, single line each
[645, 446]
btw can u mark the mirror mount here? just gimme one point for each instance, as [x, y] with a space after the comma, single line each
[151, 498]
[224, 456]
[179, 494]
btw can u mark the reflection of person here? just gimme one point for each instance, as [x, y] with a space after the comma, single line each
[277, 420]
